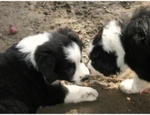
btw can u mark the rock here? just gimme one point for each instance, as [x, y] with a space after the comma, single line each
[13, 29]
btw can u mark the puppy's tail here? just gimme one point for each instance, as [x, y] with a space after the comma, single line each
[138, 26]
[12, 106]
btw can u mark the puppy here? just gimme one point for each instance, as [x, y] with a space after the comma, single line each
[30, 70]
[118, 46]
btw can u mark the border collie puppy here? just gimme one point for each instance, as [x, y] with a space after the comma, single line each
[121, 45]
[30, 70]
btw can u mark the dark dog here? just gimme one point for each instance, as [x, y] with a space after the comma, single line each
[29, 68]
[119, 45]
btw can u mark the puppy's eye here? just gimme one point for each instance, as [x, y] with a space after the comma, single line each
[71, 68]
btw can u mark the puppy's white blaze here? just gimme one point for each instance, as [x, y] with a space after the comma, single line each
[79, 94]
[111, 42]
[81, 71]
[28, 45]
[73, 52]
[135, 85]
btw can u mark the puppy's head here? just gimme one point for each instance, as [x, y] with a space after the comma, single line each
[136, 29]
[56, 55]
[106, 52]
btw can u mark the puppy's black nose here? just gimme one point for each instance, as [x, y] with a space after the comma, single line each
[85, 78]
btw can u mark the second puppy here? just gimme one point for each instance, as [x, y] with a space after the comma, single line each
[119, 45]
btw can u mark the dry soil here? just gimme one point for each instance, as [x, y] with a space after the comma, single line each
[85, 18]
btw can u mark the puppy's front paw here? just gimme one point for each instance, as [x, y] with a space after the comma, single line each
[79, 94]
[88, 94]
[127, 86]
[135, 85]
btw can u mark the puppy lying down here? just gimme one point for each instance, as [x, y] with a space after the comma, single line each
[30, 70]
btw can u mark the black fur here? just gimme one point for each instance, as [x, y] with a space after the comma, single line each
[102, 61]
[51, 59]
[136, 42]
[98, 37]
[23, 88]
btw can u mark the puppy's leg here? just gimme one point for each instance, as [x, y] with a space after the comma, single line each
[62, 93]
[79, 94]
[135, 85]
[146, 90]
[12, 106]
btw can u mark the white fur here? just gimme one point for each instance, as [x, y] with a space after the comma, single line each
[81, 71]
[28, 45]
[74, 54]
[90, 48]
[111, 42]
[135, 85]
[79, 94]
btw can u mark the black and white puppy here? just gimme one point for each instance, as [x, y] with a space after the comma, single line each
[29, 68]
[121, 45]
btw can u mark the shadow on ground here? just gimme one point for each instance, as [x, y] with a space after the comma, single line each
[109, 101]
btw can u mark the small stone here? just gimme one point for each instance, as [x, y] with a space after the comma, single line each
[128, 98]
[45, 13]
[13, 29]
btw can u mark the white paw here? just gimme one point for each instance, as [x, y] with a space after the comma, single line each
[88, 94]
[135, 85]
[79, 94]
[128, 86]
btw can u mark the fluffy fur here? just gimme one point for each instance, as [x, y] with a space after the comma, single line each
[119, 45]
[30, 70]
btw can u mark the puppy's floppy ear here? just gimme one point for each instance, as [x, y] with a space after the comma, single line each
[71, 35]
[98, 36]
[138, 26]
[137, 29]
[69, 32]
[75, 37]
[46, 62]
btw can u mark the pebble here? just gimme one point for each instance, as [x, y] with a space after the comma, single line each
[13, 29]
[128, 98]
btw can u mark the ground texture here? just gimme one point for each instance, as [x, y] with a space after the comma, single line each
[85, 18]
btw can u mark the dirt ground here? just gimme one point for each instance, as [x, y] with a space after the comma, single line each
[85, 18]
